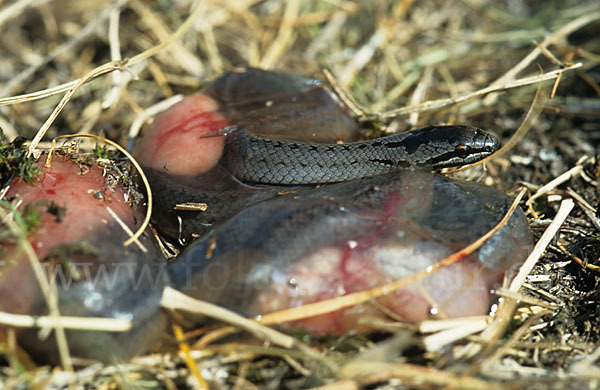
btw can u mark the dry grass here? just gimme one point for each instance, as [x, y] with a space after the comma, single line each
[105, 67]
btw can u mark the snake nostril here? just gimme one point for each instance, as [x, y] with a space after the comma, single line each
[492, 144]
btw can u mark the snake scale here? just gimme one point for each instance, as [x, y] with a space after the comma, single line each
[259, 159]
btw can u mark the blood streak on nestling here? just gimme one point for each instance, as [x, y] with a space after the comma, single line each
[185, 140]
[210, 122]
[398, 204]
[63, 185]
[359, 279]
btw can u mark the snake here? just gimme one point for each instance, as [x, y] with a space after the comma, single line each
[260, 159]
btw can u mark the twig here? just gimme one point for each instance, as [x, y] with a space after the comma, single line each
[182, 56]
[333, 27]
[555, 36]
[548, 54]
[437, 341]
[420, 94]
[174, 300]
[185, 26]
[411, 374]
[537, 105]
[284, 36]
[347, 99]
[48, 290]
[582, 263]
[344, 384]
[80, 323]
[525, 62]
[108, 67]
[508, 305]
[363, 55]
[137, 166]
[8, 130]
[17, 8]
[191, 206]
[581, 201]
[563, 212]
[439, 103]
[212, 50]
[323, 307]
[148, 113]
[516, 336]
[44, 93]
[63, 48]
[125, 228]
[118, 81]
[430, 326]
[123, 65]
[554, 183]
[189, 362]
[502, 292]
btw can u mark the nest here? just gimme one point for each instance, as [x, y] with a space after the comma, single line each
[106, 67]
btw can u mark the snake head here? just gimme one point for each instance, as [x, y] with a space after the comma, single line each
[449, 146]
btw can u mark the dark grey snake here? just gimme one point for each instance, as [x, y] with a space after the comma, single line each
[259, 159]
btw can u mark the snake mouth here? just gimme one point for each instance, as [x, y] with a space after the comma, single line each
[466, 154]
[491, 144]
[449, 160]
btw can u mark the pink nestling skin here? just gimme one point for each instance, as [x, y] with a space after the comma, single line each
[84, 196]
[185, 140]
[457, 291]
[84, 213]
[82, 252]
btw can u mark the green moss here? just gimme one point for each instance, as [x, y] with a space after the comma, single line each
[14, 162]
[31, 218]
[28, 219]
[102, 152]
[31, 214]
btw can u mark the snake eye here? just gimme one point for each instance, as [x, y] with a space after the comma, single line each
[461, 151]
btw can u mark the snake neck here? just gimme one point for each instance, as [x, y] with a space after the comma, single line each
[271, 161]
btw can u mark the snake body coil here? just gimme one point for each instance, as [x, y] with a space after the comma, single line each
[264, 160]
